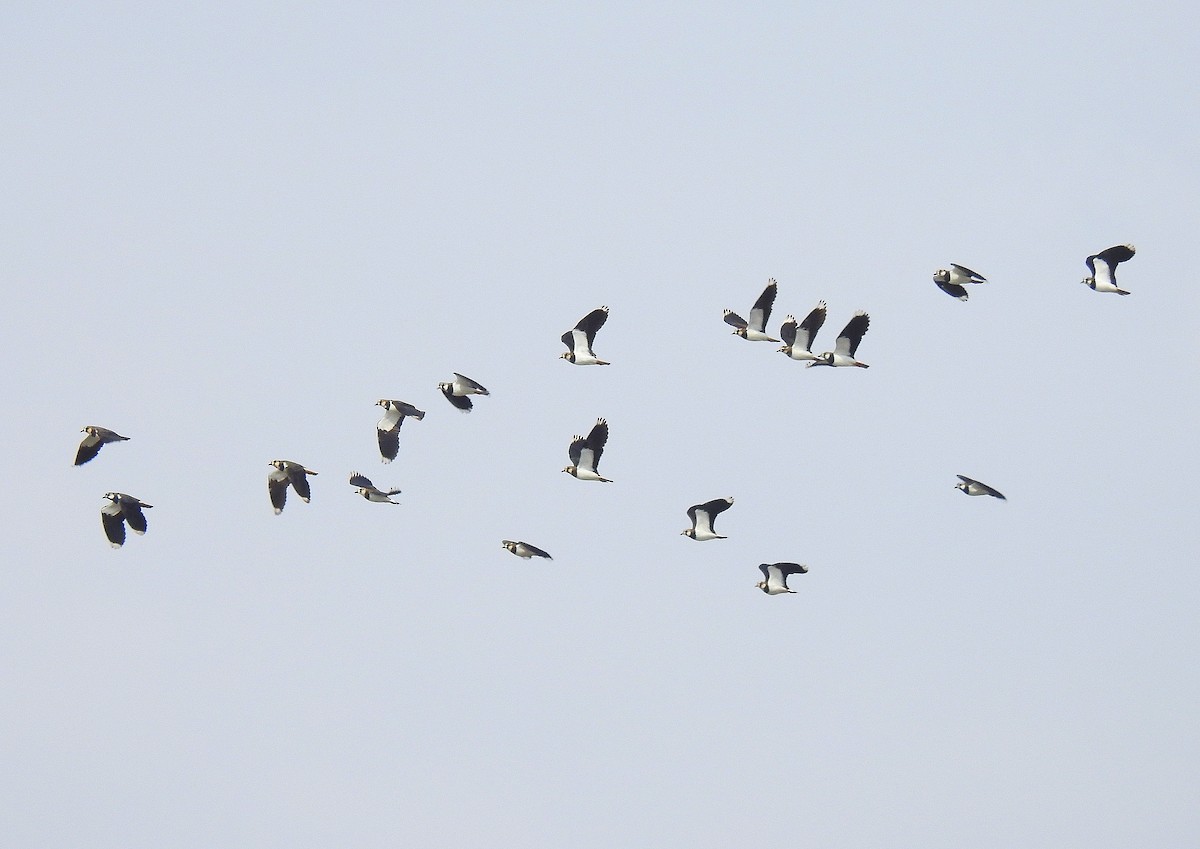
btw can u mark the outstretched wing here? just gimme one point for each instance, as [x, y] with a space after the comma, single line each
[471, 384]
[595, 443]
[132, 511]
[852, 334]
[760, 313]
[952, 289]
[299, 481]
[89, 447]
[357, 479]
[813, 322]
[591, 323]
[576, 449]
[463, 402]
[734, 320]
[114, 525]
[534, 550]
[973, 276]
[787, 331]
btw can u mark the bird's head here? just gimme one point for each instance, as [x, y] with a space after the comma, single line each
[570, 470]
[1089, 281]
[741, 331]
[690, 533]
[941, 276]
[569, 356]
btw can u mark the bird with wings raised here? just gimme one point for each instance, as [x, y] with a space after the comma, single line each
[363, 486]
[1103, 268]
[585, 453]
[847, 344]
[755, 329]
[798, 338]
[580, 340]
[704, 517]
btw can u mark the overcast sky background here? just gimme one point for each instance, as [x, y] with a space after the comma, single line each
[229, 228]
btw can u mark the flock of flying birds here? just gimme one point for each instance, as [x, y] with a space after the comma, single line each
[585, 452]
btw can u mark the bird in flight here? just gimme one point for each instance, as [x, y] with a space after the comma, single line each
[1103, 268]
[579, 341]
[284, 473]
[755, 330]
[457, 391]
[97, 438]
[585, 453]
[122, 508]
[703, 517]
[775, 577]
[974, 487]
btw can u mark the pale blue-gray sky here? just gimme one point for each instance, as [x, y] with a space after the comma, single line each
[230, 228]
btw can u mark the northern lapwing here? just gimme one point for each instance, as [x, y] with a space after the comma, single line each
[97, 438]
[524, 549]
[1103, 268]
[283, 473]
[580, 340]
[457, 391]
[755, 330]
[953, 280]
[798, 338]
[974, 487]
[387, 429]
[122, 508]
[585, 453]
[847, 344]
[369, 491]
[775, 577]
[704, 516]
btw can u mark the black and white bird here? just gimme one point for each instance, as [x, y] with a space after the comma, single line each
[1103, 268]
[755, 329]
[97, 438]
[704, 517]
[369, 491]
[580, 340]
[457, 391]
[387, 429]
[953, 280]
[847, 344]
[524, 549]
[585, 453]
[974, 487]
[798, 338]
[122, 508]
[283, 473]
[775, 577]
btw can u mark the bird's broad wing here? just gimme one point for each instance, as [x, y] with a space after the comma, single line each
[575, 451]
[114, 524]
[760, 313]
[952, 289]
[470, 384]
[974, 276]
[811, 324]
[852, 334]
[787, 331]
[299, 480]
[591, 323]
[89, 447]
[734, 320]
[357, 479]
[462, 402]
[595, 442]
[534, 550]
